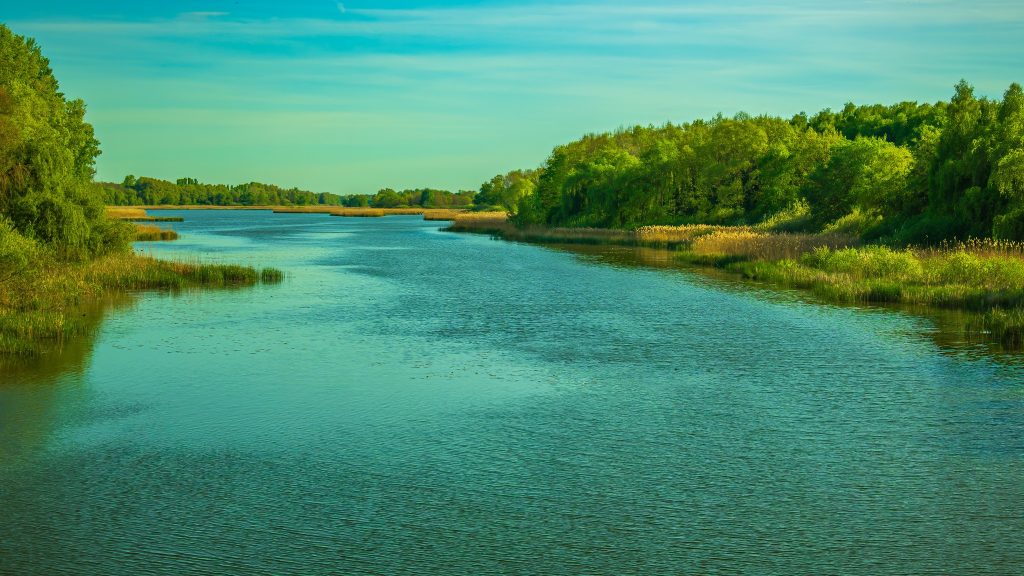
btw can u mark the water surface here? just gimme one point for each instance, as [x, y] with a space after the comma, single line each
[411, 401]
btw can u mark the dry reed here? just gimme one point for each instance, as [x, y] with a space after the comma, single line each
[746, 243]
[442, 214]
[125, 212]
[149, 233]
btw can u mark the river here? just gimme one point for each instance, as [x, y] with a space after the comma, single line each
[412, 401]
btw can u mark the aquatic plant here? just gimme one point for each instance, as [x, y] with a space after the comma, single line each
[40, 306]
[149, 233]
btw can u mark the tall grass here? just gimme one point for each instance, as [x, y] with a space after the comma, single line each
[41, 306]
[136, 214]
[148, 233]
[482, 222]
[442, 214]
[747, 243]
[957, 279]
[124, 212]
[981, 276]
[676, 235]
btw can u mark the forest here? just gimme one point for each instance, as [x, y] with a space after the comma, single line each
[146, 191]
[903, 174]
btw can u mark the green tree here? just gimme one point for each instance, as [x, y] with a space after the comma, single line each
[47, 154]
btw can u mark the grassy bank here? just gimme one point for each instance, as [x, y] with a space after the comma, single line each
[983, 277]
[43, 307]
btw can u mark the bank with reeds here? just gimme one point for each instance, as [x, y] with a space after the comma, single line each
[985, 277]
[43, 306]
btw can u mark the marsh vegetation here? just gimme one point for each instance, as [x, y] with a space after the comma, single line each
[62, 253]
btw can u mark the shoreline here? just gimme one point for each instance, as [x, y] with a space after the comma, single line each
[55, 303]
[830, 269]
[981, 281]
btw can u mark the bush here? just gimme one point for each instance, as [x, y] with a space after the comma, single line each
[867, 262]
[1009, 226]
[17, 253]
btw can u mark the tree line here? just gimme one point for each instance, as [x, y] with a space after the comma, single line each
[145, 191]
[905, 173]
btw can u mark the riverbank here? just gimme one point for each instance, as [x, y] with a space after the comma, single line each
[983, 277]
[343, 211]
[42, 307]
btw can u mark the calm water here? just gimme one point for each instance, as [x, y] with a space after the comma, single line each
[411, 401]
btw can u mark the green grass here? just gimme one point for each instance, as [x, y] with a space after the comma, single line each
[989, 285]
[875, 274]
[43, 306]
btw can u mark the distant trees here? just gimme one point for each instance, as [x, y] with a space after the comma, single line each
[190, 191]
[909, 172]
[186, 191]
[421, 197]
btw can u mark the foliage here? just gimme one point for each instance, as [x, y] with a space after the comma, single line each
[906, 173]
[145, 191]
[47, 152]
[421, 197]
[43, 305]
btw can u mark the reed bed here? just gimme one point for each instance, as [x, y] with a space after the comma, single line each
[978, 246]
[125, 212]
[148, 233]
[877, 274]
[677, 235]
[360, 213]
[387, 211]
[304, 209]
[751, 244]
[42, 307]
[483, 223]
[442, 214]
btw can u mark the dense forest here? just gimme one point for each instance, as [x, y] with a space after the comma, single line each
[47, 153]
[145, 191]
[906, 173]
[153, 191]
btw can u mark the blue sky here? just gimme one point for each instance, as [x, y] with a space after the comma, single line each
[353, 97]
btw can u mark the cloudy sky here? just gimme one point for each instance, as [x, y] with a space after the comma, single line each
[353, 97]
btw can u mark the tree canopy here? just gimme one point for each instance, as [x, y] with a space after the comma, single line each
[909, 172]
[47, 153]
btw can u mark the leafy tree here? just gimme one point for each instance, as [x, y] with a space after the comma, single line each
[47, 154]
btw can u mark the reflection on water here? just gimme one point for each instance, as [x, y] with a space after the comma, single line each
[959, 331]
[415, 402]
[30, 387]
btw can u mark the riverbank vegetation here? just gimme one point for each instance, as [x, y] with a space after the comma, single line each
[903, 174]
[60, 254]
[44, 305]
[982, 277]
[150, 233]
[918, 204]
[146, 191]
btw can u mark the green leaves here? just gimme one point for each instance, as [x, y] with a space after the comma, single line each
[47, 154]
[907, 173]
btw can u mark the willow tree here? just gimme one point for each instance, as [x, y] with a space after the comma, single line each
[47, 157]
